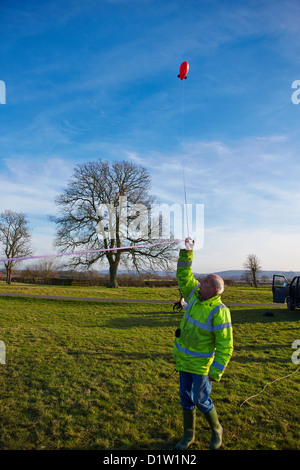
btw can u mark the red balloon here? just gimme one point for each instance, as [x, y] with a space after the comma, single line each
[183, 70]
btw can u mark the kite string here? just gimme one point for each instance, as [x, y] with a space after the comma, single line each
[23, 258]
[183, 158]
[269, 383]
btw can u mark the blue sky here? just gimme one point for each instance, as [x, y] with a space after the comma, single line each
[98, 79]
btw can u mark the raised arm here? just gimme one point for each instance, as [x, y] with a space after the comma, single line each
[185, 277]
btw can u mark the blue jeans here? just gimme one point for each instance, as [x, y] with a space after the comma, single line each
[194, 391]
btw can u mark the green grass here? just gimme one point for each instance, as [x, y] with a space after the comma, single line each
[88, 375]
[243, 294]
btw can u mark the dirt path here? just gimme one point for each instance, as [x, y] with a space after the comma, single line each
[97, 299]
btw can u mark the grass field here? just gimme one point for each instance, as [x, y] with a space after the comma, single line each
[243, 294]
[100, 375]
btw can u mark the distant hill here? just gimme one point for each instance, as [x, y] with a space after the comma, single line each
[235, 274]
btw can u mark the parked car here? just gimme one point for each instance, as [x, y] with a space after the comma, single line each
[285, 291]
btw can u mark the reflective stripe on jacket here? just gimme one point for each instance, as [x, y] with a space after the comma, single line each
[205, 344]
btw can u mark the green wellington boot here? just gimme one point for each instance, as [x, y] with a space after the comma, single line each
[217, 430]
[189, 420]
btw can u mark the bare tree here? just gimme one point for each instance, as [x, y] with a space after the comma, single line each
[92, 217]
[15, 238]
[247, 277]
[43, 270]
[30, 274]
[47, 268]
[252, 266]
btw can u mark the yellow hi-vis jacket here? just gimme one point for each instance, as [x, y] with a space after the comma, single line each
[205, 344]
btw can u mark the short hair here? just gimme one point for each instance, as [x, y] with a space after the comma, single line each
[217, 282]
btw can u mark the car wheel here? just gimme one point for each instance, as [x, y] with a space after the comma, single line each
[290, 304]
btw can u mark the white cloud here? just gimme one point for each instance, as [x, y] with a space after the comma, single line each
[30, 187]
[227, 249]
[251, 202]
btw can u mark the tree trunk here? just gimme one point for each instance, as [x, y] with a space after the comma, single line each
[113, 281]
[8, 274]
[254, 279]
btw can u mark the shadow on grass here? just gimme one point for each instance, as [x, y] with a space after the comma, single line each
[164, 319]
[158, 319]
[123, 357]
[263, 315]
[260, 354]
